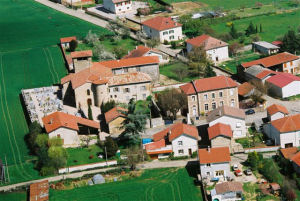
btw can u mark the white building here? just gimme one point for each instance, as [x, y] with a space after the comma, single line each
[181, 139]
[265, 47]
[163, 28]
[214, 162]
[118, 6]
[65, 42]
[227, 191]
[232, 116]
[275, 112]
[216, 50]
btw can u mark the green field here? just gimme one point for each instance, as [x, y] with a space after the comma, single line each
[29, 57]
[155, 185]
[167, 71]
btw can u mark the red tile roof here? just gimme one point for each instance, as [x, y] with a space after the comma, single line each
[296, 158]
[215, 155]
[119, 1]
[289, 152]
[176, 130]
[277, 108]
[207, 42]
[245, 88]
[155, 145]
[129, 78]
[79, 54]
[272, 60]
[59, 119]
[282, 79]
[208, 84]
[67, 39]
[137, 61]
[225, 187]
[265, 73]
[277, 42]
[219, 129]
[114, 113]
[140, 51]
[287, 124]
[161, 23]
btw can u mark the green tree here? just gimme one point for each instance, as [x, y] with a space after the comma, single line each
[209, 72]
[181, 72]
[233, 32]
[41, 140]
[198, 61]
[111, 147]
[260, 28]
[34, 130]
[250, 29]
[105, 107]
[73, 45]
[58, 156]
[90, 113]
[254, 160]
[291, 42]
[119, 52]
[152, 43]
[91, 38]
[55, 141]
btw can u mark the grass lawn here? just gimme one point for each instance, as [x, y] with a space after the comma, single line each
[156, 185]
[18, 196]
[167, 70]
[251, 192]
[79, 156]
[247, 142]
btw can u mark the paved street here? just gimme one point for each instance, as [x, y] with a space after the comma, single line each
[166, 164]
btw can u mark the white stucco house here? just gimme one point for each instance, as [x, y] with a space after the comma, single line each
[227, 191]
[276, 111]
[65, 42]
[265, 48]
[285, 131]
[232, 116]
[216, 49]
[118, 6]
[163, 28]
[179, 139]
[214, 162]
[68, 127]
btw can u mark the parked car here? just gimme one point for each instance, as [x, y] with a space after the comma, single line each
[248, 172]
[250, 111]
[235, 167]
[238, 173]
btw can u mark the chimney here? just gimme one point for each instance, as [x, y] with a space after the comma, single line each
[208, 149]
[51, 121]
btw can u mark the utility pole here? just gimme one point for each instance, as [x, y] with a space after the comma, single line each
[105, 154]
[8, 179]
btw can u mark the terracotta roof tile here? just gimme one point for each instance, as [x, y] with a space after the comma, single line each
[59, 119]
[282, 79]
[128, 78]
[277, 42]
[137, 61]
[272, 60]
[79, 54]
[226, 111]
[161, 23]
[245, 88]
[67, 39]
[114, 113]
[225, 187]
[207, 42]
[138, 52]
[296, 158]
[287, 124]
[265, 73]
[277, 108]
[215, 155]
[219, 129]
[155, 145]
[289, 152]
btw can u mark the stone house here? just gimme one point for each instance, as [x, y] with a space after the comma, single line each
[81, 60]
[256, 73]
[163, 29]
[265, 48]
[118, 6]
[114, 119]
[65, 42]
[215, 49]
[227, 191]
[179, 139]
[220, 135]
[68, 127]
[144, 64]
[214, 162]
[207, 94]
[276, 111]
[232, 116]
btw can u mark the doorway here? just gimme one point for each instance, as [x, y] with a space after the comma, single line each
[190, 152]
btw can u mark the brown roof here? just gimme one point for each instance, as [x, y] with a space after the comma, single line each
[208, 84]
[140, 51]
[226, 111]
[289, 152]
[161, 23]
[287, 124]
[67, 39]
[277, 108]
[39, 191]
[245, 88]
[176, 130]
[219, 129]
[232, 186]
[128, 78]
[137, 61]
[59, 119]
[207, 42]
[296, 158]
[114, 113]
[79, 54]
[265, 73]
[272, 60]
[214, 155]
[155, 145]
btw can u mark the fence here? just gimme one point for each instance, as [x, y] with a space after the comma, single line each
[87, 166]
[262, 149]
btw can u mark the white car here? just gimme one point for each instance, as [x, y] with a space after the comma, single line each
[235, 167]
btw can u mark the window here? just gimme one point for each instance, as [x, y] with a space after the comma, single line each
[180, 143]
[194, 110]
[144, 96]
[125, 70]
[143, 88]
[205, 96]
[213, 105]
[206, 107]
[208, 173]
[88, 92]
[232, 103]
[116, 89]
[180, 151]
[221, 103]
[208, 165]
[171, 37]
[238, 125]
[165, 33]
[127, 8]
[89, 101]
[193, 98]
[231, 92]
[119, 9]
[171, 31]
[111, 96]
[221, 94]
[213, 95]
[127, 90]
[220, 173]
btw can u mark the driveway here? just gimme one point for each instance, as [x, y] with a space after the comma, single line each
[292, 106]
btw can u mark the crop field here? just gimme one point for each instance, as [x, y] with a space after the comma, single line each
[156, 185]
[29, 57]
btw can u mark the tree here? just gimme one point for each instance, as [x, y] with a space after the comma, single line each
[100, 53]
[111, 147]
[291, 195]
[119, 52]
[260, 28]
[198, 61]
[152, 43]
[34, 130]
[134, 156]
[73, 45]
[256, 30]
[181, 72]
[58, 156]
[173, 44]
[233, 32]
[254, 160]
[55, 141]
[234, 47]
[250, 29]
[140, 35]
[113, 26]
[170, 101]
[105, 107]
[87, 139]
[90, 113]
[209, 72]
[91, 38]
[41, 141]
[291, 42]
[255, 38]
[124, 32]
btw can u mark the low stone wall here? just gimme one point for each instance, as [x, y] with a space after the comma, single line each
[87, 166]
[262, 149]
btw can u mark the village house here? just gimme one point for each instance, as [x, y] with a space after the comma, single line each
[232, 116]
[145, 64]
[293, 155]
[215, 49]
[207, 94]
[68, 127]
[220, 135]
[245, 90]
[163, 29]
[214, 162]
[179, 139]
[276, 111]
[256, 73]
[296, 162]
[81, 60]
[65, 42]
[227, 191]
[143, 51]
[118, 6]
[282, 62]
[265, 48]
[285, 132]
[114, 119]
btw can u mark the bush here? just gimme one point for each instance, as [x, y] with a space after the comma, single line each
[173, 44]
[111, 147]
[55, 142]
[173, 158]
[91, 156]
[47, 171]
[271, 171]
[166, 42]
[194, 154]
[73, 45]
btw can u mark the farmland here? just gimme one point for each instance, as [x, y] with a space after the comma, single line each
[157, 185]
